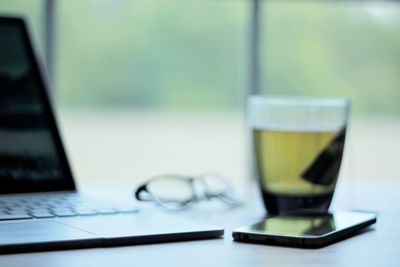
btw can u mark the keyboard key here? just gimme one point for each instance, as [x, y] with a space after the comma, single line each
[38, 210]
[42, 215]
[14, 206]
[38, 206]
[65, 213]
[15, 217]
[18, 212]
[62, 205]
[59, 210]
[21, 209]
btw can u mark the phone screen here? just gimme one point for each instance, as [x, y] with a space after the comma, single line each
[311, 225]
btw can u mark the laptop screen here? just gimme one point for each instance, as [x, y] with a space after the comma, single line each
[32, 158]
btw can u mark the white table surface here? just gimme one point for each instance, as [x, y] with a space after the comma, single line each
[377, 247]
[123, 149]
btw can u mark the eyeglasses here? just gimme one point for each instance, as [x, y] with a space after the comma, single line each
[176, 192]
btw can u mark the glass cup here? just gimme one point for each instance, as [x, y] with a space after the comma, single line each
[298, 147]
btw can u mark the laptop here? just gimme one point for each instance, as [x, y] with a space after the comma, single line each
[40, 207]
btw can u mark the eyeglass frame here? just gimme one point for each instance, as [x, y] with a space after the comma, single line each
[225, 197]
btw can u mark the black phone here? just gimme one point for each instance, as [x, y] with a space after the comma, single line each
[305, 229]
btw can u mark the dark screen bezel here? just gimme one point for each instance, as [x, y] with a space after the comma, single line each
[67, 182]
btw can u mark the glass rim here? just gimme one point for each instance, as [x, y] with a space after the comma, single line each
[297, 101]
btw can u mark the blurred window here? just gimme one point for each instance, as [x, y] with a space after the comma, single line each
[176, 54]
[333, 48]
[168, 54]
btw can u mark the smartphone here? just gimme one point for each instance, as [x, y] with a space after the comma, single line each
[306, 229]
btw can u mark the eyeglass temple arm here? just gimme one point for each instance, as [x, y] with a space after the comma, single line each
[140, 190]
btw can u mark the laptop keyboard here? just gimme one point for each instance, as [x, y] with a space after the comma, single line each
[55, 205]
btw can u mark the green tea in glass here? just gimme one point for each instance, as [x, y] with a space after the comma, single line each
[298, 148]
